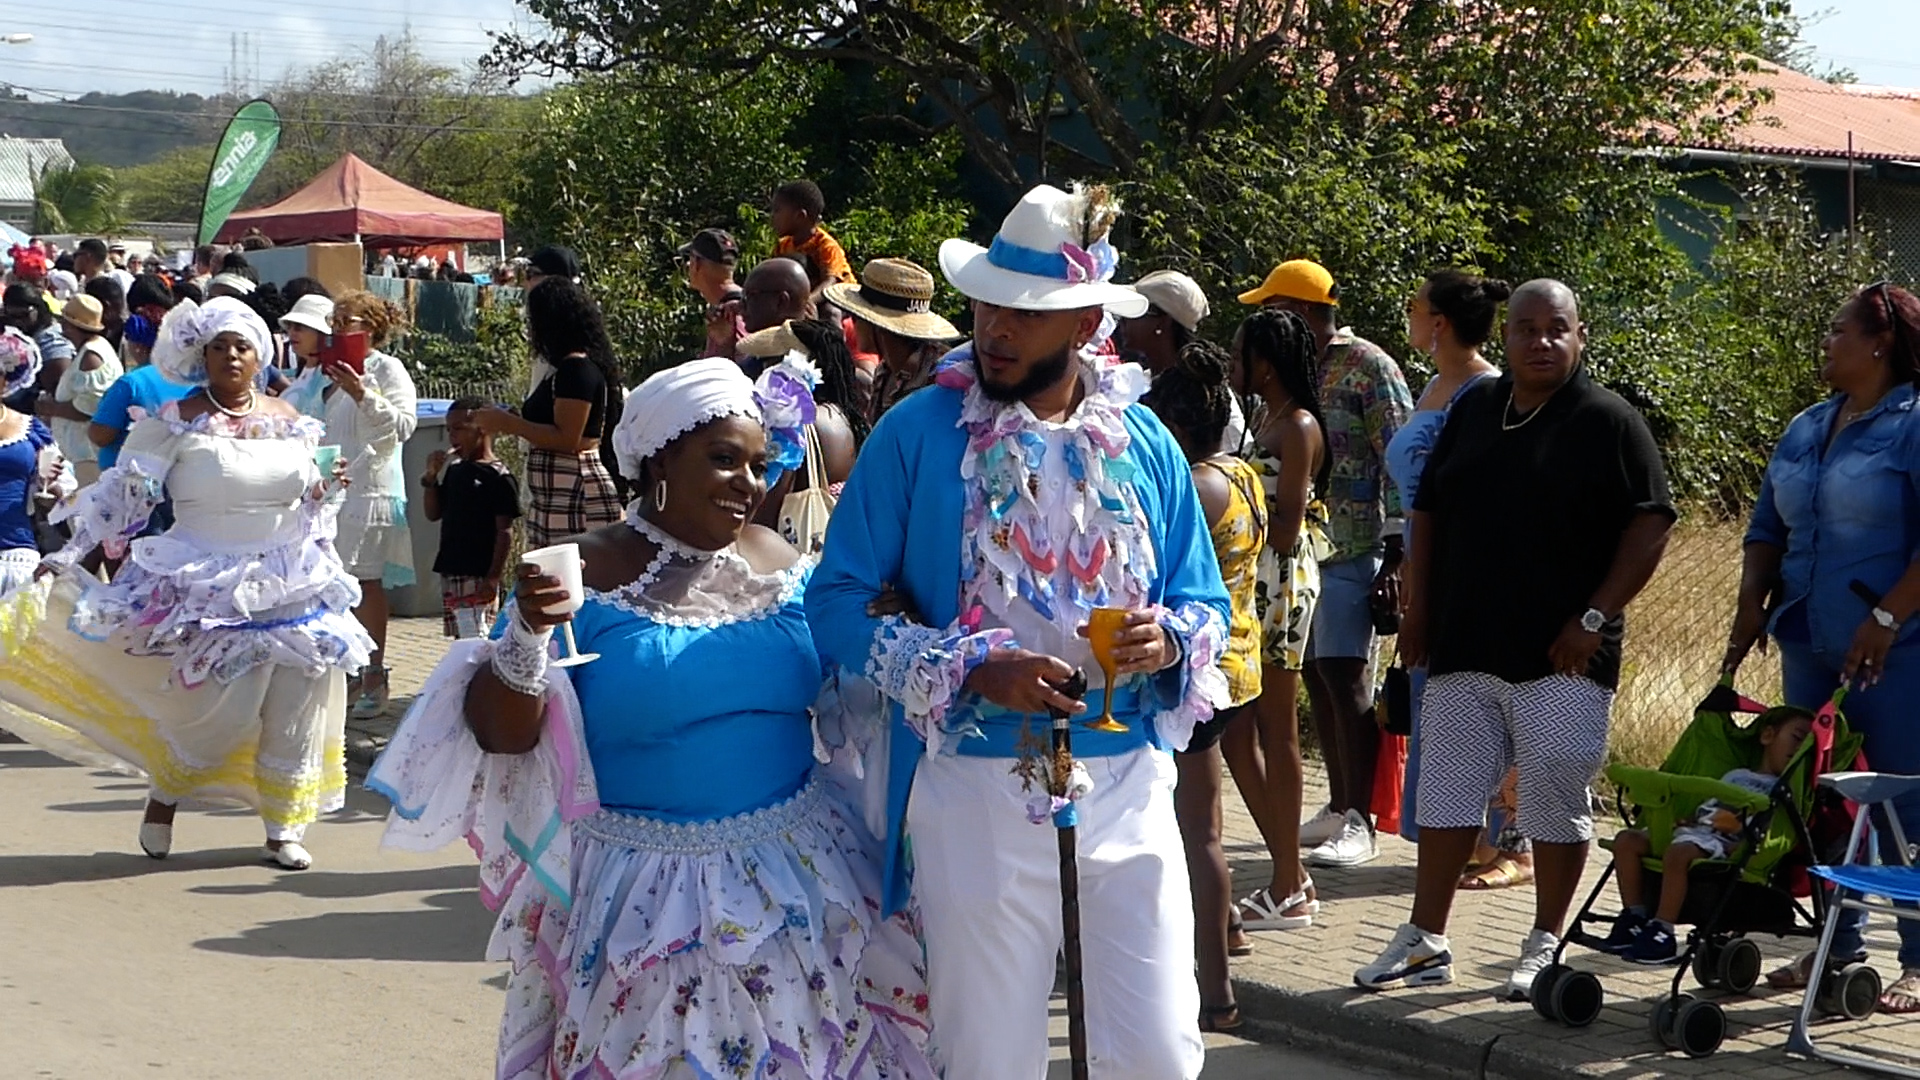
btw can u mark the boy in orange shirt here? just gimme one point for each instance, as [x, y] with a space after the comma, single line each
[797, 209]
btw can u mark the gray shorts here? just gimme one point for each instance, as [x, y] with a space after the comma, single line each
[1473, 727]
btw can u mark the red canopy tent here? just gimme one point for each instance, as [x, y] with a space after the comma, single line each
[352, 200]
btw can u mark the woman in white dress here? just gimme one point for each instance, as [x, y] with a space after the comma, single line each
[215, 661]
[369, 417]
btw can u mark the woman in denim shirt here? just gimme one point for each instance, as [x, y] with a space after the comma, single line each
[1841, 504]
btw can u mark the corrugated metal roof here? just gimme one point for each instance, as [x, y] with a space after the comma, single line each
[21, 163]
[1812, 118]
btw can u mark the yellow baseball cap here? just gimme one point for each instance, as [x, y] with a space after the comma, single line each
[1296, 279]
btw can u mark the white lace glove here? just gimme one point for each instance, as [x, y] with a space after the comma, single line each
[520, 657]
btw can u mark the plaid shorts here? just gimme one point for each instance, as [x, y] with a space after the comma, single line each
[568, 494]
[468, 594]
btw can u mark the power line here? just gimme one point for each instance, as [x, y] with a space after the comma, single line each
[374, 124]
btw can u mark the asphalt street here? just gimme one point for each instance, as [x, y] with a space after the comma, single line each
[212, 965]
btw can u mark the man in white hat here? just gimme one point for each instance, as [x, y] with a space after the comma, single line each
[1175, 306]
[997, 510]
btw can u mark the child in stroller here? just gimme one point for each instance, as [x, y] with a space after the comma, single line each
[1714, 831]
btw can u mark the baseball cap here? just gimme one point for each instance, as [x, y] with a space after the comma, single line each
[1176, 294]
[713, 245]
[1296, 279]
[555, 261]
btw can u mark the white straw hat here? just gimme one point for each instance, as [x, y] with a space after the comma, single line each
[1051, 254]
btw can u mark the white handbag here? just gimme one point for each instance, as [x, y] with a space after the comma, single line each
[804, 514]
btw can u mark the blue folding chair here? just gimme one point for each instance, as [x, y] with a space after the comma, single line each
[1853, 989]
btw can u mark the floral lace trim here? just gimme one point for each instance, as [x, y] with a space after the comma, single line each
[1202, 635]
[254, 426]
[707, 837]
[719, 576]
[923, 669]
[519, 657]
[791, 581]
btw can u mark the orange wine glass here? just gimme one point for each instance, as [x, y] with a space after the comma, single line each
[1103, 633]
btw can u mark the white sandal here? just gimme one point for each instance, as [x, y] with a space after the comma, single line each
[289, 855]
[1259, 912]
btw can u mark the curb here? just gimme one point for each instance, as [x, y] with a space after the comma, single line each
[1329, 1021]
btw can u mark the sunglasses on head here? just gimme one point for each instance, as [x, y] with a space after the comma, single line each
[1884, 289]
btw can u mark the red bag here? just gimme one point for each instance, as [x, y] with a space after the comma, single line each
[1389, 781]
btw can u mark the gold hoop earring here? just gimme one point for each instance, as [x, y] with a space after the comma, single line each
[660, 497]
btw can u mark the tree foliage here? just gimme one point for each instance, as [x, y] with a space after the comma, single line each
[78, 199]
[627, 166]
[1055, 87]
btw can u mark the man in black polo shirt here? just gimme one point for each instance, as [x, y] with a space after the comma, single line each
[1544, 510]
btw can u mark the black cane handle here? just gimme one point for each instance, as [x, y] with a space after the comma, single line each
[1073, 686]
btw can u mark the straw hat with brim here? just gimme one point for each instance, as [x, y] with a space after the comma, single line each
[311, 311]
[84, 312]
[895, 295]
[773, 341]
[1042, 260]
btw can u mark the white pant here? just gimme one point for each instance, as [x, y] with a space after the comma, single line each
[988, 887]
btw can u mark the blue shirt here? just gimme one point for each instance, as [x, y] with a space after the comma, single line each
[19, 461]
[674, 732]
[900, 520]
[1842, 513]
[143, 387]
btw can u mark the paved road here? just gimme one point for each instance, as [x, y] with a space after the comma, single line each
[211, 965]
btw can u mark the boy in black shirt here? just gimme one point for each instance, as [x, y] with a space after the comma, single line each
[475, 502]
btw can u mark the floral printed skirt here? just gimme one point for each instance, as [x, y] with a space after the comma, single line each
[1286, 592]
[748, 947]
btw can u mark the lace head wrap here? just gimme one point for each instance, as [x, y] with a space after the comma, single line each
[19, 360]
[179, 350]
[675, 401]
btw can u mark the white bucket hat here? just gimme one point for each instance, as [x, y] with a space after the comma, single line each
[312, 311]
[1051, 254]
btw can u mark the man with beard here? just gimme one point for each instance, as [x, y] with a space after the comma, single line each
[986, 519]
[776, 291]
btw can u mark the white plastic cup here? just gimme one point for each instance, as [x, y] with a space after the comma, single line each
[561, 561]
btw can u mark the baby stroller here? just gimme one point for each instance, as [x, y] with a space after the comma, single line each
[1761, 887]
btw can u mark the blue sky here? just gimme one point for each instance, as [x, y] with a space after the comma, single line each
[1872, 37]
[82, 45]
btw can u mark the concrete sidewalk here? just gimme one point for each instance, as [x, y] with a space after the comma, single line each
[1297, 986]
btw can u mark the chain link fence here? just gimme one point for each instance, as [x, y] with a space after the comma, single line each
[1894, 210]
[1676, 637]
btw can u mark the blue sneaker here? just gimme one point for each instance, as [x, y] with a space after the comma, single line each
[1625, 929]
[1655, 944]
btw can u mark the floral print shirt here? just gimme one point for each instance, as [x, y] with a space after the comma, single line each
[1364, 400]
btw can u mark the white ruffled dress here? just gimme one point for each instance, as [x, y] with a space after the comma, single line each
[215, 661]
[680, 891]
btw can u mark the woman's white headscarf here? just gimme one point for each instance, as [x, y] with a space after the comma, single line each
[675, 401]
[180, 348]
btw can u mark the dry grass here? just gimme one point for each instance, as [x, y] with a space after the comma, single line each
[1676, 634]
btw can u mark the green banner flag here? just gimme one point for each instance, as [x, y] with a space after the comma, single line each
[251, 137]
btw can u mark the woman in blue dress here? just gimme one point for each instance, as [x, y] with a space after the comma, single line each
[681, 891]
[1450, 319]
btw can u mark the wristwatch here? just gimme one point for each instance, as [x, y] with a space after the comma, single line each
[1593, 620]
[1885, 619]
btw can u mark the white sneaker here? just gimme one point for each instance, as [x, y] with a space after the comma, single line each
[1413, 958]
[1535, 956]
[1350, 846]
[1323, 827]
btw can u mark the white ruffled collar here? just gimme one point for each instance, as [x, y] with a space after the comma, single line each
[1010, 547]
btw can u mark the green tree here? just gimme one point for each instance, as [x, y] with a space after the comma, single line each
[80, 199]
[168, 188]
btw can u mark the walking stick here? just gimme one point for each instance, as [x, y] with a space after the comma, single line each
[1065, 820]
